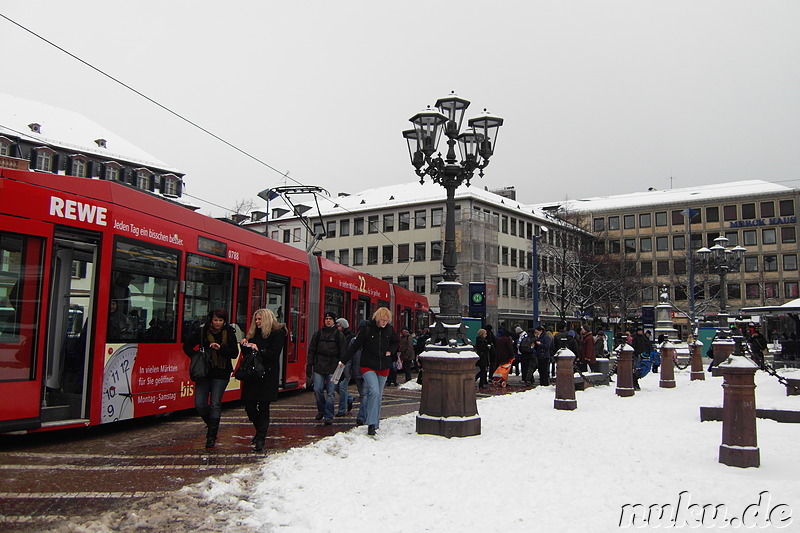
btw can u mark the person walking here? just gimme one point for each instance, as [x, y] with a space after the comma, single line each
[267, 337]
[586, 349]
[378, 344]
[345, 400]
[641, 348]
[326, 349]
[218, 338]
[543, 349]
[482, 349]
[504, 348]
[405, 351]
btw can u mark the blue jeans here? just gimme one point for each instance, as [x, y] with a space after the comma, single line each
[324, 393]
[215, 388]
[373, 395]
[344, 396]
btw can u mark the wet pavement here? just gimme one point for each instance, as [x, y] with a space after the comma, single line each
[56, 477]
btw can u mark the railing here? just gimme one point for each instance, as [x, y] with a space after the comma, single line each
[14, 163]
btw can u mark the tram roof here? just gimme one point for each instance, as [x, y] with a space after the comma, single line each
[792, 306]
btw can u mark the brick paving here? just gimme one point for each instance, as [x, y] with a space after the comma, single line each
[52, 477]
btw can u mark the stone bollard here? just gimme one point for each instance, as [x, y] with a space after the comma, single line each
[667, 380]
[565, 381]
[625, 371]
[697, 373]
[723, 348]
[448, 406]
[739, 443]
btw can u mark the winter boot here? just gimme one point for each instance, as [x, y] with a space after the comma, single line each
[261, 436]
[211, 433]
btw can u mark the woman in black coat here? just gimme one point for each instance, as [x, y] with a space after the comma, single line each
[267, 336]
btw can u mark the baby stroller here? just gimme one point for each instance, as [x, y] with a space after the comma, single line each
[500, 376]
[645, 365]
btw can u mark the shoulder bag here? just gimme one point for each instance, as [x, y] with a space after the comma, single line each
[200, 365]
[250, 367]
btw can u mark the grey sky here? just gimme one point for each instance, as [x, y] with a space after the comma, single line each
[599, 97]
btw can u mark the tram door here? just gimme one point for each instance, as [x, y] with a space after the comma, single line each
[69, 331]
[361, 312]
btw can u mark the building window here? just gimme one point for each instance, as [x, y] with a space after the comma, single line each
[436, 217]
[513, 258]
[770, 263]
[419, 219]
[647, 294]
[662, 243]
[344, 227]
[388, 222]
[113, 171]
[646, 268]
[358, 226]
[679, 266]
[790, 289]
[403, 221]
[296, 235]
[287, 236]
[504, 287]
[729, 213]
[372, 255]
[767, 209]
[752, 290]
[373, 224]
[330, 255]
[645, 220]
[712, 214]
[749, 237]
[788, 234]
[435, 280]
[769, 236]
[402, 253]
[78, 167]
[790, 262]
[748, 211]
[436, 250]
[751, 263]
[662, 268]
[599, 224]
[661, 218]
[358, 256]
[599, 247]
[679, 242]
[5, 147]
[419, 284]
[786, 208]
[387, 279]
[677, 218]
[419, 251]
[629, 221]
[513, 284]
[504, 256]
[318, 229]
[44, 159]
[733, 238]
[630, 246]
[274, 235]
[331, 230]
[402, 281]
[344, 256]
[770, 290]
[613, 246]
[613, 223]
[143, 178]
[734, 291]
[170, 185]
[388, 253]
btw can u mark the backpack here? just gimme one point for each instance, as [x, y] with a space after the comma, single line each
[526, 345]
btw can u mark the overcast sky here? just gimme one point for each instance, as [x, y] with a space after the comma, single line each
[598, 97]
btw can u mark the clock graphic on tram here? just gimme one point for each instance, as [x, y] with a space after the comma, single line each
[117, 401]
[523, 278]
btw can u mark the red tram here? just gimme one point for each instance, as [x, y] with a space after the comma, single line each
[100, 283]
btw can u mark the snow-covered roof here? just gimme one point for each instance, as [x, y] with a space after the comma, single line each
[69, 130]
[686, 196]
[411, 193]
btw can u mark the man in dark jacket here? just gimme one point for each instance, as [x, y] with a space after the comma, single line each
[641, 348]
[543, 345]
[327, 347]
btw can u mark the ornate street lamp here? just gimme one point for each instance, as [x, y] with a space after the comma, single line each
[720, 260]
[448, 406]
[476, 146]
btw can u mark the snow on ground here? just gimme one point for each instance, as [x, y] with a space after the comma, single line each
[533, 468]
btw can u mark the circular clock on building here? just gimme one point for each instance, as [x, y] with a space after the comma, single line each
[523, 278]
[117, 403]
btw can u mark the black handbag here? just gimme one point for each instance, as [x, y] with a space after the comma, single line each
[200, 365]
[250, 367]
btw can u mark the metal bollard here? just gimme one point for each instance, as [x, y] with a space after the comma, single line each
[739, 440]
[667, 380]
[625, 371]
[697, 373]
[565, 381]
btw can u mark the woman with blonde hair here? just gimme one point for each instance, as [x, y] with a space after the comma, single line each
[267, 337]
[378, 343]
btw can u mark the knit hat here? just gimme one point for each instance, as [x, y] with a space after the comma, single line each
[330, 315]
[518, 329]
[342, 322]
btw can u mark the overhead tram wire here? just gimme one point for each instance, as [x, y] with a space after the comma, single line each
[285, 175]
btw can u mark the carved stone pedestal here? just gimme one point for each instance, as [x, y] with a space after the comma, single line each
[739, 441]
[448, 406]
